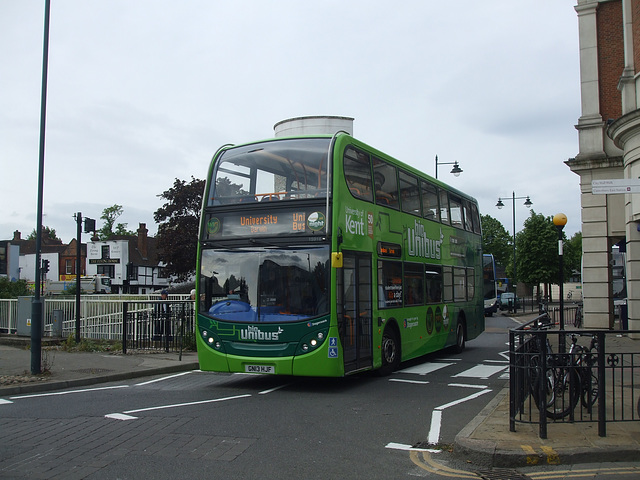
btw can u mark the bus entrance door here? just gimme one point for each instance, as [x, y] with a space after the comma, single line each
[354, 311]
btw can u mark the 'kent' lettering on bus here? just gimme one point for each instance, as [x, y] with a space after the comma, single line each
[354, 220]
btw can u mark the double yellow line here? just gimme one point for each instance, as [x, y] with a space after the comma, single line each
[425, 461]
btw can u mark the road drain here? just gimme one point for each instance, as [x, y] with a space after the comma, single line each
[501, 474]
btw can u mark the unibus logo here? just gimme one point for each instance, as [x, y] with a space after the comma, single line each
[254, 333]
[420, 245]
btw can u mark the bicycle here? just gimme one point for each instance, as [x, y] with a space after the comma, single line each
[584, 360]
[567, 377]
[577, 321]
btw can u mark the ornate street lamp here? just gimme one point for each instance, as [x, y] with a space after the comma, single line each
[456, 170]
[527, 204]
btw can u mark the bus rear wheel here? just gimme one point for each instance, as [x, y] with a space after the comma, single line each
[390, 351]
[460, 340]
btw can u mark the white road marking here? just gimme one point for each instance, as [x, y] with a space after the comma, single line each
[436, 422]
[436, 416]
[68, 392]
[401, 380]
[120, 416]
[187, 404]
[5, 402]
[482, 371]
[425, 368]
[162, 379]
[264, 392]
[402, 446]
[467, 385]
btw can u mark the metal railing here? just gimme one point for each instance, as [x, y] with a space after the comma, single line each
[157, 325]
[100, 315]
[572, 376]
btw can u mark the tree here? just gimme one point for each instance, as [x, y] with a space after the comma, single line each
[573, 254]
[48, 235]
[178, 220]
[110, 215]
[9, 289]
[496, 240]
[537, 249]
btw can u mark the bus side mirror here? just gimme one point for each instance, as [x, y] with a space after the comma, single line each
[336, 259]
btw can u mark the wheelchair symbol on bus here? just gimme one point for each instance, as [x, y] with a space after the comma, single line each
[333, 347]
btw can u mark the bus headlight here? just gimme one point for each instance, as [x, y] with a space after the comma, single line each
[311, 341]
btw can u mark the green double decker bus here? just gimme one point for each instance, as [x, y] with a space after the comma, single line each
[322, 256]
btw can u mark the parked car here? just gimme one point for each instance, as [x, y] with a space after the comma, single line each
[509, 301]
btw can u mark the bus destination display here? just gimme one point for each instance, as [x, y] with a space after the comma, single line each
[281, 222]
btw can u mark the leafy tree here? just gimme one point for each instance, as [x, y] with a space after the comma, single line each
[48, 235]
[9, 289]
[573, 254]
[537, 251]
[496, 240]
[178, 220]
[110, 215]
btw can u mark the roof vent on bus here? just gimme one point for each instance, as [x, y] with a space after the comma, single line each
[313, 125]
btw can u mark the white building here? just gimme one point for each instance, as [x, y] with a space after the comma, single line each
[131, 262]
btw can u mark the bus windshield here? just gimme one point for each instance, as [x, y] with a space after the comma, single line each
[265, 284]
[285, 169]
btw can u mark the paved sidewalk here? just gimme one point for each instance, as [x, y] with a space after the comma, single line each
[487, 440]
[74, 369]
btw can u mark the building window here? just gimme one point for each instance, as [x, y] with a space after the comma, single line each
[69, 267]
[105, 251]
[107, 270]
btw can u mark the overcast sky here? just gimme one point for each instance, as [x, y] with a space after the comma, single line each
[143, 92]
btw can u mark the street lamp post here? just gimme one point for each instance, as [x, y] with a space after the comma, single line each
[527, 204]
[456, 170]
[560, 220]
[36, 302]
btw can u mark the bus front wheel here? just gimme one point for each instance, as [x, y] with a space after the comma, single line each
[390, 351]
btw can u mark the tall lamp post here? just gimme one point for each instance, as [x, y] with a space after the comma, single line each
[560, 220]
[456, 170]
[36, 302]
[527, 204]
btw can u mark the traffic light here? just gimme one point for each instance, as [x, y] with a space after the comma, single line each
[89, 225]
[45, 265]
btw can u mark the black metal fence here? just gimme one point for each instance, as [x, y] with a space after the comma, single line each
[166, 325]
[534, 304]
[572, 375]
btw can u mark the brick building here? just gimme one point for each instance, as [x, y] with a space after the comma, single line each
[609, 141]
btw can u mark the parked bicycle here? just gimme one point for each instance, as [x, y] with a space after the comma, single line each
[567, 378]
[577, 321]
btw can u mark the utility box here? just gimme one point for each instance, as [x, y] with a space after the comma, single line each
[56, 324]
[24, 316]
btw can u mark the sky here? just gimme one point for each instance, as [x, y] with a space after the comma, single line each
[141, 92]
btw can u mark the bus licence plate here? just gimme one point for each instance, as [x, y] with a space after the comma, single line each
[259, 369]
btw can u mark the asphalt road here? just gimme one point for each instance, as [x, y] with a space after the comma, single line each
[207, 425]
